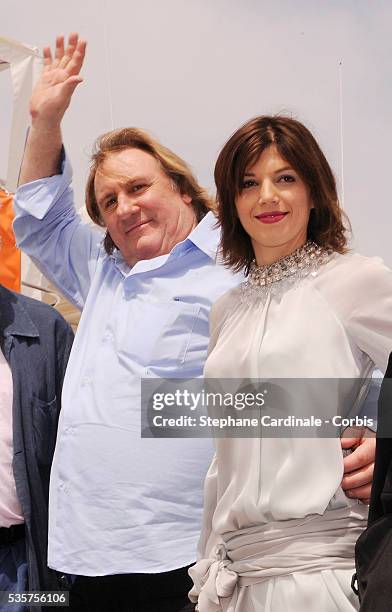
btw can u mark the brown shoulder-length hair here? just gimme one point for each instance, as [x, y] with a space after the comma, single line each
[173, 166]
[298, 147]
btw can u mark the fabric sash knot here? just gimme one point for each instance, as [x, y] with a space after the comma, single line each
[212, 580]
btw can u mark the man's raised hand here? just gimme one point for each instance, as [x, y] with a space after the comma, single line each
[49, 101]
[60, 77]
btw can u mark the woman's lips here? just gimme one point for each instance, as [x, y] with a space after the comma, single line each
[271, 217]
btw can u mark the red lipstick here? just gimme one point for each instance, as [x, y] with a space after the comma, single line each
[272, 216]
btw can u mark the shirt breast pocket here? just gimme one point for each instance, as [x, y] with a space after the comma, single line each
[45, 419]
[164, 336]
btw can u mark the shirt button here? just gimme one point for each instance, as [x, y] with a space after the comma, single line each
[108, 336]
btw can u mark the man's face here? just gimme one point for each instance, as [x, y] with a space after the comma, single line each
[145, 214]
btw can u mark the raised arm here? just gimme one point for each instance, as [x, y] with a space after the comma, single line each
[47, 226]
[49, 101]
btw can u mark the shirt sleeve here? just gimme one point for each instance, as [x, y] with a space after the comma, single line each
[48, 228]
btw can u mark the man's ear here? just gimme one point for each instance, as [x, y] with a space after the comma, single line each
[186, 198]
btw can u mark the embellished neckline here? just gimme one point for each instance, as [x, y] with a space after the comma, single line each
[298, 264]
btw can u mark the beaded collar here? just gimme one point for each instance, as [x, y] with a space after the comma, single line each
[310, 255]
[280, 276]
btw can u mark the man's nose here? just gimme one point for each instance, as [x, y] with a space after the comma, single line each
[268, 192]
[126, 205]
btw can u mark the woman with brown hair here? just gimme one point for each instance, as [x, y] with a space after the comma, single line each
[278, 532]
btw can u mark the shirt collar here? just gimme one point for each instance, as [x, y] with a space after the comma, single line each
[14, 319]
[205, 236]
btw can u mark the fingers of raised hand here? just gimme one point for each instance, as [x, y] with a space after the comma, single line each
[69, 59]
[70, 50]
[76, 61]
[48, 60]
[59, 50]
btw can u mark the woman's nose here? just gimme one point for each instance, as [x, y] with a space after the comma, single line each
[268, 192]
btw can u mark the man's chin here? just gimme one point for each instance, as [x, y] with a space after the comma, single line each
[141, 253]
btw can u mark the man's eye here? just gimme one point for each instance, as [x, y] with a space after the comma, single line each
[286, 178]
[138, 187]
[248, 184]
[110, 202]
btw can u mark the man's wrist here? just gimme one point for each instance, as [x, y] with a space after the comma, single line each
[40, 124]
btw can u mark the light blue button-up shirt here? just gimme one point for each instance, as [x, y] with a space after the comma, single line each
[120, 503]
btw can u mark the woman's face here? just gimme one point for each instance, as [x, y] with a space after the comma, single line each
[274, 207]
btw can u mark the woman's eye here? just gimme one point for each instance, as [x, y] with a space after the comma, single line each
[286, 178]
[247, 184]
[138, 187]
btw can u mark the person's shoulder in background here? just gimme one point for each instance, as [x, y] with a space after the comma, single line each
[16, 309]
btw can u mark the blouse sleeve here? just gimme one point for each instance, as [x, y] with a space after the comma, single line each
[369, 309]
[207, 538]
[218, 315]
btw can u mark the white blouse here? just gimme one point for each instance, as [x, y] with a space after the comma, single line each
[274, 506]
[334, 323]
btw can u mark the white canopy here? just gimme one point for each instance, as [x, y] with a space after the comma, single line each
[25, 64]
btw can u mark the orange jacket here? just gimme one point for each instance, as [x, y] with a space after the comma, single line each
[10, 259]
